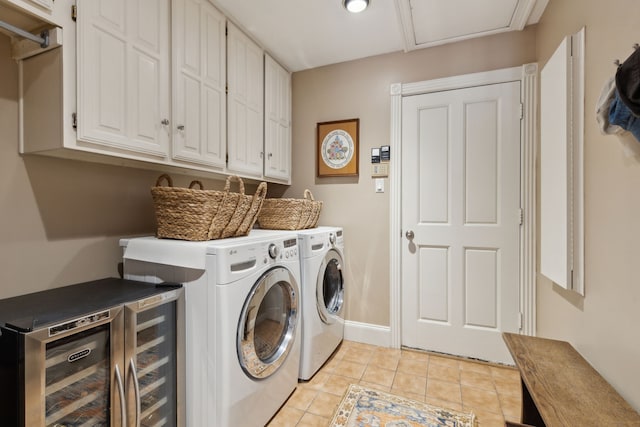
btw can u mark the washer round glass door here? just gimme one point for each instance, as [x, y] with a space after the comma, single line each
[330, 287]
[266, 331]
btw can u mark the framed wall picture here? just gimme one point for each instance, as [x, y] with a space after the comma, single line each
[338, 150]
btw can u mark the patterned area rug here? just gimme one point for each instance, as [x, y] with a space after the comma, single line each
[363, 407]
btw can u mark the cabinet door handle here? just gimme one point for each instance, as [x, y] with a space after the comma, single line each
[123, 401]
[136, 387]
[270, 155]
[180, 127]
[164, 122]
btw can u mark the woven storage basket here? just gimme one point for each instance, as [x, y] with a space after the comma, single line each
[239, 211]
[290, 214]
[316, 207]
[184, 213]
[198, 214]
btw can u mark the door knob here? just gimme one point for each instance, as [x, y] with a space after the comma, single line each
[164, 122]
[180, 127]
[409, 234]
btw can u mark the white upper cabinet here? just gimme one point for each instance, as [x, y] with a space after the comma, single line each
[42, 10]
[277, 121]
[45, 4]
[245, 125]
[123, 75]
[156, 84]
[199, 111]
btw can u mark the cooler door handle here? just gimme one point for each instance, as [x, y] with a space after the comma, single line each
[136, 387]
[123, 402]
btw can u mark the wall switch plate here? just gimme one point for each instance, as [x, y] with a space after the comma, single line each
[379, 185]
[380, 170]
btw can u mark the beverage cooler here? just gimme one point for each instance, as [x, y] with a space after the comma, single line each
[103, 353]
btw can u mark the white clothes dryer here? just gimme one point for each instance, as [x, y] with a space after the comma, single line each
[242, 302]
[323, 292]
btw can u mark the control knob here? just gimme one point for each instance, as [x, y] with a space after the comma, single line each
[274, 251]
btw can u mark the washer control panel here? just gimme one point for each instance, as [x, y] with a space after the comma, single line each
[290, 248]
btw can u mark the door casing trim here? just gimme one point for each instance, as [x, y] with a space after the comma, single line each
[527, 74]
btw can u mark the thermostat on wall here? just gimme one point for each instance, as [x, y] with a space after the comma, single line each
[385, 153]
[375, 155]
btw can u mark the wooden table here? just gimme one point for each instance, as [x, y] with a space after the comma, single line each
[560, 388]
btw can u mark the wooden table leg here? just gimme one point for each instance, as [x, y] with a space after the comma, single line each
[530, 414]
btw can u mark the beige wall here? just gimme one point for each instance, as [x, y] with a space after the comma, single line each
[360, 89]
[60, 220]
[603, 325]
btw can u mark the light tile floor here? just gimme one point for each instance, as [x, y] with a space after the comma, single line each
[492, 392]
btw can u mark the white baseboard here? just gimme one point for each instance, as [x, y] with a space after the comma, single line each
[367, 333]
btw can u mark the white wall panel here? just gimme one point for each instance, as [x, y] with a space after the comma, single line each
[561, 165]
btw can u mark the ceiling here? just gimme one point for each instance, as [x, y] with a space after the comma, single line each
[303, 34]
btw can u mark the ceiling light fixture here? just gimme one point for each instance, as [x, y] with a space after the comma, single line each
[355, 6]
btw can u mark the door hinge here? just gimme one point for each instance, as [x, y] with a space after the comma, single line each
[226, 89]
[74, 12]
[520, 321]
[520, 216]
[571, 280]
[74, 120]
[521, 111]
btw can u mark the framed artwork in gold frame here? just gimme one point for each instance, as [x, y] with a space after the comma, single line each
[338, 148]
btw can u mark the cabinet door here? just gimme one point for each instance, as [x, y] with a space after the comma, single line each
[199, 115]
[123, 75]
[277, 123]
[47, 4]
[245, 124]
[42, 9]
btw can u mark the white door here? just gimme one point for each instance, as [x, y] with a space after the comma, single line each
[460, 220]
[199, 100]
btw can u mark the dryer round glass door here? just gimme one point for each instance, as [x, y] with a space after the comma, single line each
[330, 287]
[266, 331]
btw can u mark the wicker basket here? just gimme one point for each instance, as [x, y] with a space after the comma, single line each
[239, 211]
[198, 214]
[290, 214]
[316, 207]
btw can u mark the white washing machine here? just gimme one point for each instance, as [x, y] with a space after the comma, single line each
[242, 318]
[321, 264]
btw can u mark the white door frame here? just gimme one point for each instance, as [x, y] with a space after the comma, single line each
[528, 76]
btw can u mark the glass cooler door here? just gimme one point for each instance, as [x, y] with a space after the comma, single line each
[77, 379]
[152, 356]
[71, 372]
